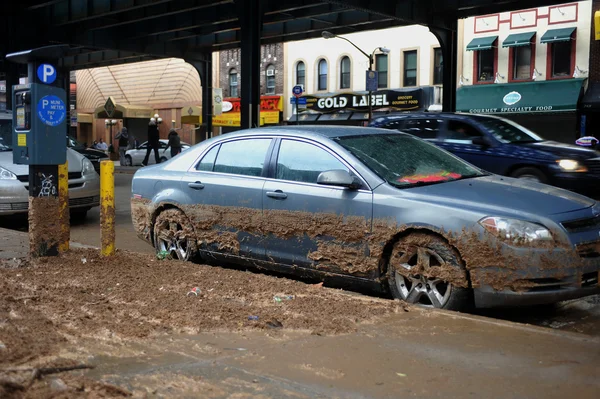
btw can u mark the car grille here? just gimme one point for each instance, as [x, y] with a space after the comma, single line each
[589, 250]
[593, 167]
[84, 201]
[19, 206]
[72, 175]
[574, 226]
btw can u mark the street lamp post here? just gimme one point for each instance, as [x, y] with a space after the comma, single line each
[370, 57]
[109, 124]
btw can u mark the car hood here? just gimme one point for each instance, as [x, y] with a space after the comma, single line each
[91, 153]
[6, 161]
[562, 149]
[502, 194]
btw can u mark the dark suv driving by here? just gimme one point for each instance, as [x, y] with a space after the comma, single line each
[504, 147]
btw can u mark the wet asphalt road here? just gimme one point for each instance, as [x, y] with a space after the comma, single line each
[581, 315]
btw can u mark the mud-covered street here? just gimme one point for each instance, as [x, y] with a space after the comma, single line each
[159, 328]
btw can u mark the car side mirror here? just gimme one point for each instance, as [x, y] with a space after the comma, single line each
[340, 178]
[482, 141]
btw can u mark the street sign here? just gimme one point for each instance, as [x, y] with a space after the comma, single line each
[372, 80]
[297, 91]
[46, 73]
[298, 100]
[109, 107]
[51, 110]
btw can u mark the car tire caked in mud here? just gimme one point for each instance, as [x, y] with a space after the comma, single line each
[173, 233]
[424, 269]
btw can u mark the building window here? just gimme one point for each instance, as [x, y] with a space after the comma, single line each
[381, 66]
[345, 73]
[438, 66]
[270, 79]
[410, 68]
[561, 59]
[485, 65]
[322, 85]
[233, 83]
[522, 62]
[301, 74]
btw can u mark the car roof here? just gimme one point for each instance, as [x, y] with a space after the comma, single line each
[314, 131]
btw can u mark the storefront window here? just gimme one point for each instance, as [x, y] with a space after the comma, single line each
[345, 73]
[410, 68]
[485, 65]
[270, 79]
[300, 73]
[233, 83]
[322, 84]
[438, 66]
[381, 65]
[522, 63]
[561, 59]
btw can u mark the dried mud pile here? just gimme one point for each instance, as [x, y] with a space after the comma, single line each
[47, 303]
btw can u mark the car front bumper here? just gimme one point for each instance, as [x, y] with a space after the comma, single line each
[84, 193]
[540, 286]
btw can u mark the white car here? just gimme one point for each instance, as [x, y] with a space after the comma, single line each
[135, 156]
[84, 182]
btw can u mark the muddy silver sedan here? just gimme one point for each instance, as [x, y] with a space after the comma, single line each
[373, 206]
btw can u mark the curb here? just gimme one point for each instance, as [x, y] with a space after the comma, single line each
[128, 170]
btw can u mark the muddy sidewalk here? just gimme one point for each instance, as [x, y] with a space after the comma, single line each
[161, 328]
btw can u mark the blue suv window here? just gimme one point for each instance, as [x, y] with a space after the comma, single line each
[459, 130]
[423, 128]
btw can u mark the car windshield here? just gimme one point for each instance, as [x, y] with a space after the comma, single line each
[5, 135]
[509, 132]
[406, 161]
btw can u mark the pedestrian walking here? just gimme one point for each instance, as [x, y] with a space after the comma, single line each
[174, 143]
[123, 137]
[153, 138]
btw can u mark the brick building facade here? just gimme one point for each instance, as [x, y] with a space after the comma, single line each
[271, 77]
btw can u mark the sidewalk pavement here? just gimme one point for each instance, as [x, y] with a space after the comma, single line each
[15, 244]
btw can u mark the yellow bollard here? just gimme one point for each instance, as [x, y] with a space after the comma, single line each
[63, 203]
[107, 207]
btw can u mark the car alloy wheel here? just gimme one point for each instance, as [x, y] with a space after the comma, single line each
[424, 270]
[128, 161]
[171, 235]
[418, 288]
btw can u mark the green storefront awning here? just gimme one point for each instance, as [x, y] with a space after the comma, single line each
[482, 43]
[518, 39]
[557, 35]
[519, 98]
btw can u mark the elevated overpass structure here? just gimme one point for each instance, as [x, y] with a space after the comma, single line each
[93, 33]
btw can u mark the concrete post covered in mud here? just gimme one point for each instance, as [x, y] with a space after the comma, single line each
[63, 202]
[107, 207]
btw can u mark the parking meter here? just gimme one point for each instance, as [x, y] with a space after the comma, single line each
[39, 134]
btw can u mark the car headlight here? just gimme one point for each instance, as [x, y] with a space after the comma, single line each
[570, 165]
[6, 174]
[516, 232]
[87, 168]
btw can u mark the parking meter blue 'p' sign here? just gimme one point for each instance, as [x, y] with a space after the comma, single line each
[46, 73]
[51, 110]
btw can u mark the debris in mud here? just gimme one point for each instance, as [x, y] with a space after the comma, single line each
[194, 291]
[274, 323]
[253, 318]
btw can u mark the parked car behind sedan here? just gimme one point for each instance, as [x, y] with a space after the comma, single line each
[375, 206]
[504, 147]
[84, 182]
[135, 156]
[95, 156]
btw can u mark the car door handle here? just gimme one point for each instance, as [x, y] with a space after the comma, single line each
[278, 194]
[196, 186]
